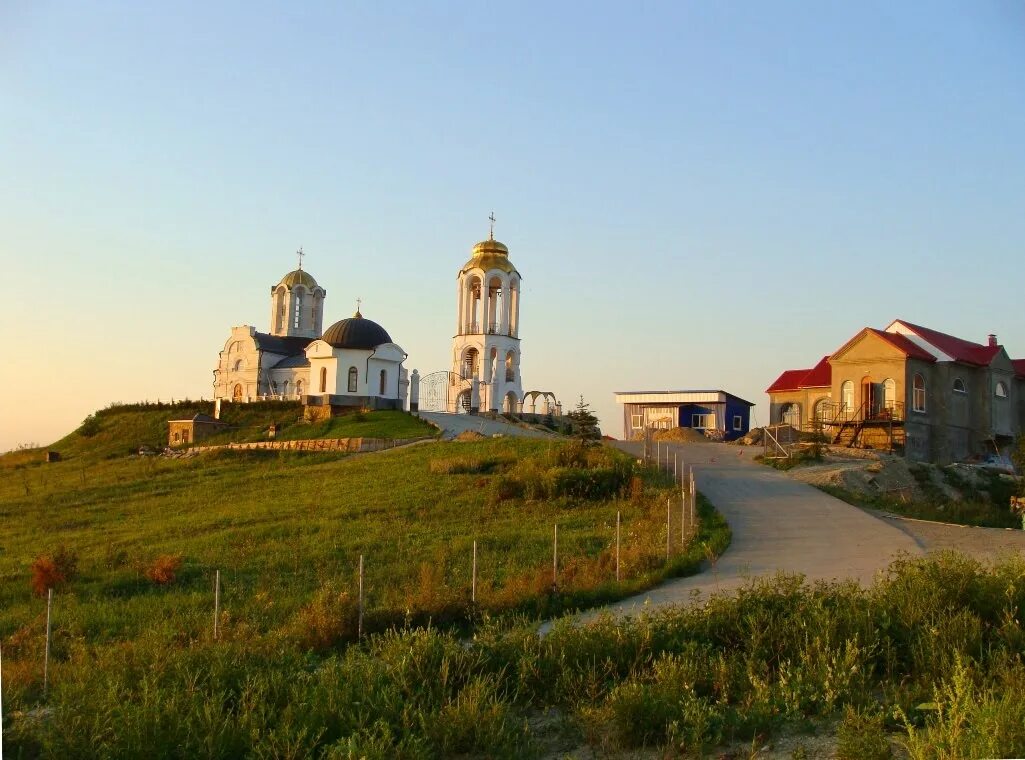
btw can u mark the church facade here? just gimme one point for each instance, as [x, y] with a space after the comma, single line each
[354, 363]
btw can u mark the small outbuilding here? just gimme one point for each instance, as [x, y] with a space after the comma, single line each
[717, 414]
[184, 432]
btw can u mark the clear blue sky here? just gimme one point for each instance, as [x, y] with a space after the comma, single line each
[697, 194]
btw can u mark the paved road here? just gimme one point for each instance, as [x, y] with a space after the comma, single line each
[778, 524]
[454, 424]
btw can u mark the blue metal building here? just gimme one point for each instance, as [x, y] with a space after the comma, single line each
[718, 414]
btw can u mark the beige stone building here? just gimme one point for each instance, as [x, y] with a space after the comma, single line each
[909, 388]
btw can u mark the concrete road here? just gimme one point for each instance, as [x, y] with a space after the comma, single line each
[778, 524]
[454, 424]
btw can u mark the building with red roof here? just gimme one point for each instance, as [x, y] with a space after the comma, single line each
[909, 388]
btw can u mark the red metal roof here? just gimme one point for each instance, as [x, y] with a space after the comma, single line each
[1019, 367]
[961, 350]
[820, 376]
[790, 380]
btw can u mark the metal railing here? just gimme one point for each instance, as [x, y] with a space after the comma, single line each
[474, 328]
[838, 413]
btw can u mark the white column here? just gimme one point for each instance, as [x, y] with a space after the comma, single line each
[506, 311]
[458, 306]
[485, 302]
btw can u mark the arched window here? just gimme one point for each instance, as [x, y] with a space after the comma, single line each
[298, 310]
[510, 369]
[847, 394]
[284, 388]
[236, 393]
[298, 387]
[918, 398]
[1000, 391]
[237, 365]
[384, 381]
[323, 379]
[959, 386]
[353, 377]
[889, 394]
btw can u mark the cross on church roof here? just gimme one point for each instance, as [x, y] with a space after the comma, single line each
[491, 236]
[359, 303]
[300, 254]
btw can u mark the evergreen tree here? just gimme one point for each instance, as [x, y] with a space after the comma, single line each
[585, 423]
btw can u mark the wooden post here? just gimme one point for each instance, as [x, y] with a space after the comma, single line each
[359, 623]
[618, 519]
[473, 579]
[217, 604]
[46, 656]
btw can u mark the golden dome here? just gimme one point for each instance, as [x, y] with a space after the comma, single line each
[490, 254]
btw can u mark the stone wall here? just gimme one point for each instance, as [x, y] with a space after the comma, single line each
[350, 445]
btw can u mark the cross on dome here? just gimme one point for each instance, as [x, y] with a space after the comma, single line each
[491, 235]
[300, 254]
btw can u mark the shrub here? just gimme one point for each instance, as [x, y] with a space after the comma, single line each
[52, 571]
[330, 618]
[862, 736]
[90, 426]
[164, 569]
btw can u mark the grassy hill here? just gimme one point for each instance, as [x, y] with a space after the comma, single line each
[121, 430]
[286, 530]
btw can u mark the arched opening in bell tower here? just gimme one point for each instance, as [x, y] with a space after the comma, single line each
[470, 363]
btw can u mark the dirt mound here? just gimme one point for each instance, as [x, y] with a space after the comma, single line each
[680, 435]
[881, 474]
[469, 435]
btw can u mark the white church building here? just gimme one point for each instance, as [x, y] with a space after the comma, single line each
[354, 363]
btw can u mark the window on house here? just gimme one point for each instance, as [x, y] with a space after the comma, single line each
[702, 421]
[847, 394]
[1001, 390]
[353, 376]
[323, 379]
[636, 421]
[918, 397]
[738, 422]
[176, 437]
[959, 386]
[384, 381]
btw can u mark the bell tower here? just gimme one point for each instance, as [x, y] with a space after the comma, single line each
[486, 346]
[297, 304]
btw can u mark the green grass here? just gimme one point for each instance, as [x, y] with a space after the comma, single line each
[286, 530]
[928, 659]
[380, 424]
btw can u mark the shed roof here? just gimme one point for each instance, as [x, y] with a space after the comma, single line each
[677, 397]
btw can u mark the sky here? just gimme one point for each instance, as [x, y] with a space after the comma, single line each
[697, 195]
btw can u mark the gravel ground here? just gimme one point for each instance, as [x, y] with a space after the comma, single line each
[986, 544]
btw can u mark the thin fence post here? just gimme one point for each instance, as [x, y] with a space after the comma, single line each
[217, 603]
[669, 531]
[555, 558]
[473, 580]
[359, 623]
[46, 656]
[676, 464]
[683, 521]
[618, 519]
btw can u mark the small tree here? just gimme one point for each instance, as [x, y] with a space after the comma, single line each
[585, 423]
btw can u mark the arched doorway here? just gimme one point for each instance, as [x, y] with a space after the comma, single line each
[509, 406]
[236, 393]
[790, 414]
